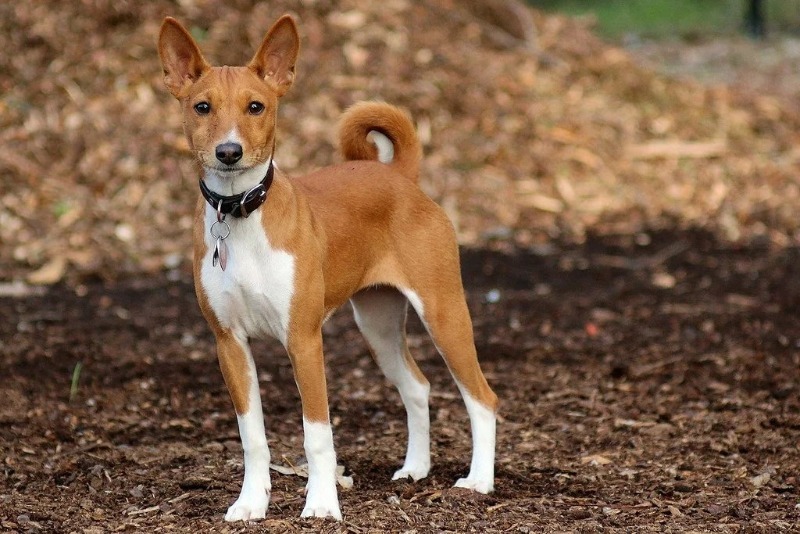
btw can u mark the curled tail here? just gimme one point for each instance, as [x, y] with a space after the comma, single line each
[380, 131]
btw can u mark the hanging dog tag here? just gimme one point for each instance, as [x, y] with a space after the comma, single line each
[220, 231]
[220, 254]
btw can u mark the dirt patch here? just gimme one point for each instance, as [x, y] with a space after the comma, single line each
[648, 382]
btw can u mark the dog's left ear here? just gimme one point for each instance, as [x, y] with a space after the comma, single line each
[277, 54]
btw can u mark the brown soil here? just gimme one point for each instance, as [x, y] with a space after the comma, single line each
[648, 383]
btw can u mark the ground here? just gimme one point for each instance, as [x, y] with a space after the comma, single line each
[647, 382]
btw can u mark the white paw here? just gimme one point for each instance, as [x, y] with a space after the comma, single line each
[414, 472]
[322, 510]
[322, 501]
[475, 484]
[250, 506]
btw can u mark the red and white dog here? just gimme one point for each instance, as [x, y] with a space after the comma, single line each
[275, 256]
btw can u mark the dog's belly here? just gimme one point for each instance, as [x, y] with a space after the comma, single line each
[252, 296]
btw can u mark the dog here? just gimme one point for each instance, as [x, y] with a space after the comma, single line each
[275, 256]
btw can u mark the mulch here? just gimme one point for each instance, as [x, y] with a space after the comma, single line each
[649, 387]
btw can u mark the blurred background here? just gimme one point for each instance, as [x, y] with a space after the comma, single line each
[547, 120]
[692, 19]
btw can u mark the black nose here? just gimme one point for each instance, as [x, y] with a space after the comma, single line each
[229, 153]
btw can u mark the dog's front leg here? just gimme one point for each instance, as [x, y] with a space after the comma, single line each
[239, 372]
[305, 351]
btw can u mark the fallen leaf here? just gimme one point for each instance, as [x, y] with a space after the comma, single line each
[19, 289]
[301, 470]
[49, 273]
[595, 460]
[759, 480]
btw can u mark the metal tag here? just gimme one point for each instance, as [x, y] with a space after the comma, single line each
[220, 231]
[220, 254]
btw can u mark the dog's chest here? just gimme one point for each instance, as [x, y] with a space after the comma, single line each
[253, 295]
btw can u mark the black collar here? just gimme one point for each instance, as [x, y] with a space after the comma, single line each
[241, 205]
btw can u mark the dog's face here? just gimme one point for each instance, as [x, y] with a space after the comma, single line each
[229, 119]
[229, 113]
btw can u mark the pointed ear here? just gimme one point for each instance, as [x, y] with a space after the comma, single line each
[277, 54]
[180, 56]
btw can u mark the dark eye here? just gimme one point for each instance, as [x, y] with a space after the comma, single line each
[202, 108]
[255, 108]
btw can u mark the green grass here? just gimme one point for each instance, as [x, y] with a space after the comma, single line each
[76, 376]
[673, 18]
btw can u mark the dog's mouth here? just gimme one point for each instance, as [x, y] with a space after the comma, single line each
[212, 164]
[225, 170]
[228, 170]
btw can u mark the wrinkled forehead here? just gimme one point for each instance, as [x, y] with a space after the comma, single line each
[235, 83]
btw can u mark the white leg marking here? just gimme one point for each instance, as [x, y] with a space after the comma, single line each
[384, 145]
[416, 303]
[381, 318]
[321, 497]
[483, 422]
[418, 455]
[254, 497]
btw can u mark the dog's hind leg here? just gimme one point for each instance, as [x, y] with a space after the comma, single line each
[380, 314]
[444, 312]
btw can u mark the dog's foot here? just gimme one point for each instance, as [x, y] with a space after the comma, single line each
[413, 472]
[322, 510]
[475, 484]
[248, 506]
[322, 502]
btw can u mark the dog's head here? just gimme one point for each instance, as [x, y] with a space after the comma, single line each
[229, 113]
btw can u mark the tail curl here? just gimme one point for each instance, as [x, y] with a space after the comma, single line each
[380, 131]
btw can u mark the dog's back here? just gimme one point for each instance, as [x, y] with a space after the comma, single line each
[375, 195]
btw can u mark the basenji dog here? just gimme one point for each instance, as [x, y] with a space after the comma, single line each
[275, 256]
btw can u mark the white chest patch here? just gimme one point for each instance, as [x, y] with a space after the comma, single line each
[252, 296]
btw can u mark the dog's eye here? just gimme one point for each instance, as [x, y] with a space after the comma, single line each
[255, 108]
[202, 108]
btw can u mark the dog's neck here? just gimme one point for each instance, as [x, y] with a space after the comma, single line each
[240, 204]
[235, 183]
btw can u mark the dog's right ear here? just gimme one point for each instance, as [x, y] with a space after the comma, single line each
[180, 56]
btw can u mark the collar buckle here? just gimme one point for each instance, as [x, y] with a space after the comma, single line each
[256, 195]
